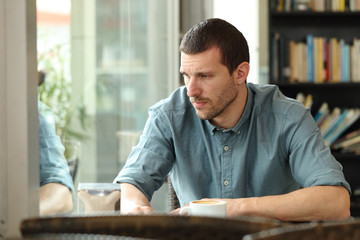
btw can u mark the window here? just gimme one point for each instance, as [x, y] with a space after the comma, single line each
[122, 58]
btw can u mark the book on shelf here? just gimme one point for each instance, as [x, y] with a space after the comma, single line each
[347, 118]
[328, 68]
[353, 149]
[280, 64]
[298, 70]
[315, 60]
[349, 142]
[332, 123]
[280, 5]
[322, 113]
[345, 61]
[330, 120]
[274, 53]
[337, 121]
[318, 55]
[355, 60]
[310, 64]
[307, 100]
[300, 97]
[334, 60]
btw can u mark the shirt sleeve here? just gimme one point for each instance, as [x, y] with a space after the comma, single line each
[152, 159]
[53, 165]
[310, 159]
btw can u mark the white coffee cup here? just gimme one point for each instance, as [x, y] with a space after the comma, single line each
[213, 208]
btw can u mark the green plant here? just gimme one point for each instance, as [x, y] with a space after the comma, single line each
[56, 92]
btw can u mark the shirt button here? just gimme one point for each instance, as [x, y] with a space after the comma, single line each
[226, 148]
[226, 183]
[238, 132]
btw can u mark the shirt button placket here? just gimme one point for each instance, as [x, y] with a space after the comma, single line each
[226, 172]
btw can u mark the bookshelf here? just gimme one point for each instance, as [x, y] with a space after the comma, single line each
[296, 25]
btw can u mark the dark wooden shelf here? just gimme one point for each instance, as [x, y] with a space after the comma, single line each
[327, 24]
[327, 86]
[346, 156]
[343, 95]
[320, 85]
[295, 14]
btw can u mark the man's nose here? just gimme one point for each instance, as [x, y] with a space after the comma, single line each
[193, 88]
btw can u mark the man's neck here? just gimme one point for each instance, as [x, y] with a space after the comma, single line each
[232, 115]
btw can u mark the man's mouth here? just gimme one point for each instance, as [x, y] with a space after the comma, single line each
[198, 103]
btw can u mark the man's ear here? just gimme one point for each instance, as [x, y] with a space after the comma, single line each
[241, 72]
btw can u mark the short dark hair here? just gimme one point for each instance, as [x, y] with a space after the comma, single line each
[215, 32]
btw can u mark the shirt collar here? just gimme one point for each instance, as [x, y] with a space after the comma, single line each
[243, 120]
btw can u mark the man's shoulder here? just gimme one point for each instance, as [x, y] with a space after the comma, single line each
[176, 101]
[264, 92]
[270, 98]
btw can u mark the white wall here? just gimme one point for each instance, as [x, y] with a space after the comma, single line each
[19, 159]
[244, 15]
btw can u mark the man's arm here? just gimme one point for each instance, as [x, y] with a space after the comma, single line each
[312, 203]
[133, 201]
[55, 198]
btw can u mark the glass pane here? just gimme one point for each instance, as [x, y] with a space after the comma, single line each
[116, 57]
[131, 74]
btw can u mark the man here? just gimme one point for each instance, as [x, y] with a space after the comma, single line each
[56, 183]
[220, 137]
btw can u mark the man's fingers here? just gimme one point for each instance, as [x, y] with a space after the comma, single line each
[140, 210]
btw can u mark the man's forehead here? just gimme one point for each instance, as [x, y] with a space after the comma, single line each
[198, 67]
[201, 62]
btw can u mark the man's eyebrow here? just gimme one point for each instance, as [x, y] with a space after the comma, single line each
[204, 73]
[198, 73]
[182, 72]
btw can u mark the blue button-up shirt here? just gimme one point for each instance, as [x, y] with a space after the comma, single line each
[275, 148]
[53, 165]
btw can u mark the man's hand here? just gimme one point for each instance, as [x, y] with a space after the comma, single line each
[133, 201]
[137, 209]
[177, 211]
[55, 198]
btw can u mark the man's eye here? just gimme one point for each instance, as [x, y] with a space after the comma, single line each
[204, 76]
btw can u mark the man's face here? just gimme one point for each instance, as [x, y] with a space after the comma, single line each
[210, 86]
